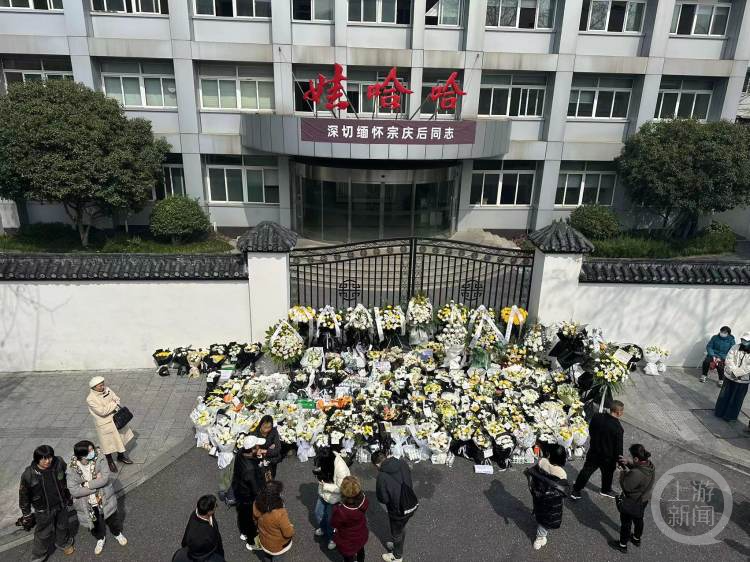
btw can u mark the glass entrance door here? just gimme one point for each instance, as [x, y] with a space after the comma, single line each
[350, 205]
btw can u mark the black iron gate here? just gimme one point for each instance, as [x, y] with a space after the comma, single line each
[391, 271]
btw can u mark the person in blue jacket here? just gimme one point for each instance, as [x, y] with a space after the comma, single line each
[716, 352]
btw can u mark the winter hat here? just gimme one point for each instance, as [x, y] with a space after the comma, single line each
[350, 487]
[252, 441]
[95, 380]
[745, 336]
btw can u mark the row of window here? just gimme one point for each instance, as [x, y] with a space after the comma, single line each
[512, 183]
[611, 16]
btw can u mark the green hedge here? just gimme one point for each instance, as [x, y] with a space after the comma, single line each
[178, 218]
[595, 222]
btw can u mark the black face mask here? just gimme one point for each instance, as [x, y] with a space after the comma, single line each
[745, 346]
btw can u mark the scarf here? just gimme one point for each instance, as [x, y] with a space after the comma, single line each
[75, 464]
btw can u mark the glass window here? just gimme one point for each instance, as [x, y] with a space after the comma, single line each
[235, 191]
[493, 13]
[525, 188]
[703, 20]
[248, 94]
[508, 189]
[204, 7]
[525, 101]
[608, 99]
[152, 87]
[719, 23]
[210, 93]
[489, 193]
[635, 16]
[255, 186]
[443, 12]
[699, 19]
[613, 16]
[546, 14]
[606, 189]
[586, 103]
[475, 196]
[604, 103]
[599, 10]
[590, 189]
[616, 16]
[112, 87]
[170, 92]
[266, 98]
[586, 185]
[620, 107]
[508, 11]
[227, 94]
[216, 184]
[132, 89]
[683, 98]
[572, 189]
[323, 9]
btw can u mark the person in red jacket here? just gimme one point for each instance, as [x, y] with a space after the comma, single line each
[349, 521]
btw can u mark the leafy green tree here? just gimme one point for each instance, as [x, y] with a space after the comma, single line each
[62, 142]
[682, 169]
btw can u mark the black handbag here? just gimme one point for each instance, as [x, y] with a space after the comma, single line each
[122, 416]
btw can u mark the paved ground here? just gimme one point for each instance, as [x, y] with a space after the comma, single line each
[37, 408]
[677, 407]
[463, 516]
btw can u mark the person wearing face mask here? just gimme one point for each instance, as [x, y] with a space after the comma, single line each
[247, 482]
[716, 353]
[94, 499]
[737, 378]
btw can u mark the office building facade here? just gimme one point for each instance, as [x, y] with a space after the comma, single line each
[545, 92]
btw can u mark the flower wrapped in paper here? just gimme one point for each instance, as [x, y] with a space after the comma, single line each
[203, 419]
[328, 332]
[303, 320]
[359, 326]
[180, 358]
[390, 324]
[224, 442]
[419, 319]
[654, 356]
[163, 358]
[247, 355]
[452, 313]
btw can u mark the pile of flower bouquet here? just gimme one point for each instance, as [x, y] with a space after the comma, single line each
[473, 383]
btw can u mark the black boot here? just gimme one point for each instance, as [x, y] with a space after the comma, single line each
[111, 463]
[123, 458]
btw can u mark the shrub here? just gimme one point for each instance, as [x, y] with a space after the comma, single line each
[178, 218]
[626, 246]
[595, 222]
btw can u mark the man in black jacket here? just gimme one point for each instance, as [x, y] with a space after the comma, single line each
[392, 473]
[605, 448]
[45, 489]
[247, 481]
[202, 539]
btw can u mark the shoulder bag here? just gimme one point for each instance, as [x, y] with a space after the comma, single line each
[122, 416]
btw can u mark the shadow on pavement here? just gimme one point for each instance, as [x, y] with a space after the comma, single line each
[308, 496]
[510, 508]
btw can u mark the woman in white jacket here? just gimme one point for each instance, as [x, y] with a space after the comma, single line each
[331, 469]
[736, 380]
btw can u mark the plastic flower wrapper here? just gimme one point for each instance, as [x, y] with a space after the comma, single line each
[535, 343]
[525, 436]
[568, 394]
[419, 318]
[287, 434]
[580, 430]
[654, 356]
[438, 442]
[610, 372]
[202, 419]
[312, 359]
[195, 360]
[515, 355]
[564, 437]
[283, 344]
[224, 441]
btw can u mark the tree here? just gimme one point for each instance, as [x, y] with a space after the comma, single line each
[62, 142]
[682, 169]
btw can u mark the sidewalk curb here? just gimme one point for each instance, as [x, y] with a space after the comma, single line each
[702, 452]
[12, 537]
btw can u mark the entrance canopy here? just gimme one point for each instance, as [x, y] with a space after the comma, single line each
[384, 139]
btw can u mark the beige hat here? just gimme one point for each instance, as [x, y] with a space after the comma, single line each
[252, 441]
[95, 380]
[745, 336]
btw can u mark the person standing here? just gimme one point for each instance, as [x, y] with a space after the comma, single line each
[716, 352]
[43, 488]
[247, 481]
[636, 481]
[394, 489]
[736, 380]
[548, 485]
[349, 521]
[271, 451]
[202, 539]
[94, 499]
[605, 437]
[275, 531]
[103, 403]
[331, 470]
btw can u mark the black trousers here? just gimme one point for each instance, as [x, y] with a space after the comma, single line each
[707, 364]
[245, 521]
[113, 522]
[359, 557]
[398, 534]
[52, 529]
[591, 465]
[628, 522]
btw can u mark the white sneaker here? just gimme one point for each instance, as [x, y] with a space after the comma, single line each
[331, 545]
[121, 539]
[540, 542]
[388, 557]
[318, 532]
[99, 547]
[243, 537]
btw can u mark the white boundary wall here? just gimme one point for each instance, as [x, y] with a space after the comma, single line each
[679, 317]
[69, 325]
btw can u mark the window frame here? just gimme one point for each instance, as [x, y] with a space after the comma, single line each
[238, 92]
[167, 171]
[234, 11]
[583, 173]
[380, 113]
[133, 8]
[313, 19]
[244, 169]
[501, 173]
[510, 87]
[44, 73]
[440, 113]
[628, 7]
[32, 6]
[692, 91]
[378, 14]
[676, 21]
[597, 90]
[142, 86]
[439, 5]
[536, 27]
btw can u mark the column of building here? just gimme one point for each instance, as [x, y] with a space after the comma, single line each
[77, 27]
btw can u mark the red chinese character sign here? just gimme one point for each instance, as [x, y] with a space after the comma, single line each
[334, 92]
[447, 93]
[389, 91]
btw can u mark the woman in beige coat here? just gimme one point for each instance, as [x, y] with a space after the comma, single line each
[103, 403]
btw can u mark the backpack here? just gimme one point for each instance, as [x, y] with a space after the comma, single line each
[407, 500]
